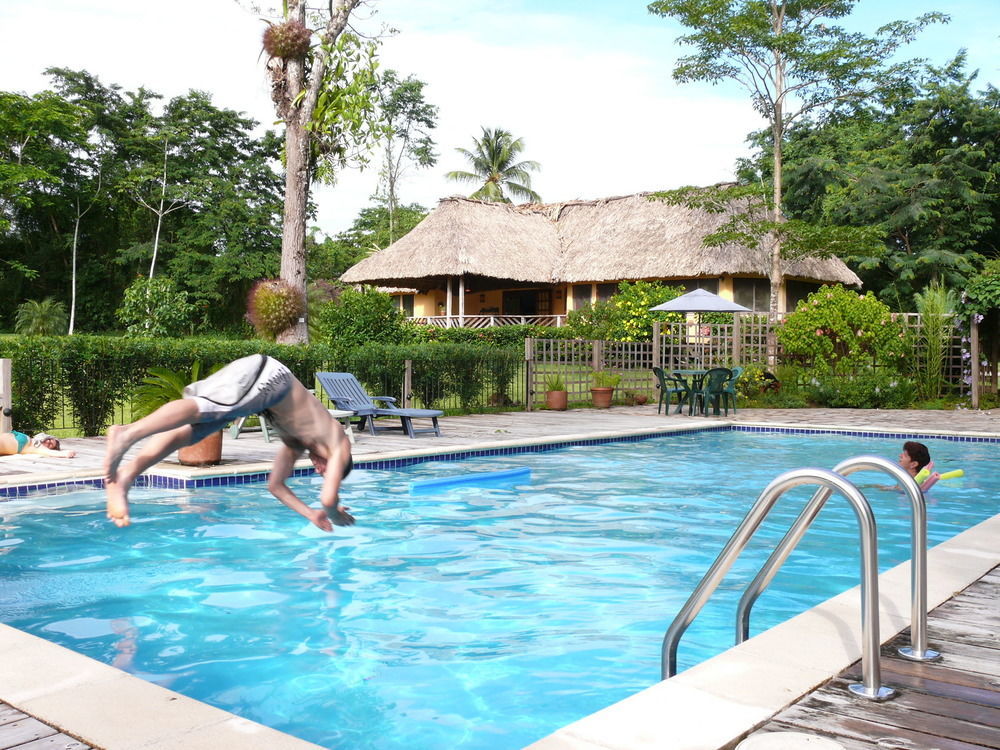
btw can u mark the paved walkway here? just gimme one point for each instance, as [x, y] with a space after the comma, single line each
[479, 430]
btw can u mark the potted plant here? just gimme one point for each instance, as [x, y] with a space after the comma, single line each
[604, 388]
[162, 385]
[556, 396]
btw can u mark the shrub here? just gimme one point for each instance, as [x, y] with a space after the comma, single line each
[363, 317]
[155, 307]
[867, 389]
[45, 318]
[935, 304]
[273, 306]
[626, 316]
[841, 331]
[604, 379]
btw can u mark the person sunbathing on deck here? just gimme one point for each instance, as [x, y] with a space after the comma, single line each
[17, 443]
[250, 385]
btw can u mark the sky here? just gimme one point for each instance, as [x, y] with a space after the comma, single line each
[586, 84]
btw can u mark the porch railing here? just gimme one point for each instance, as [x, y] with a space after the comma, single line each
[485, 321]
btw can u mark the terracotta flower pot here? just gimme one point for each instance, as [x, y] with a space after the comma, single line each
[601, 397]
[641, 399]
[557, 400]
[206, 452]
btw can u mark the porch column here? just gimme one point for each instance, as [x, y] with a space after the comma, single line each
[6, 392]
[461, 300]
[447, 303]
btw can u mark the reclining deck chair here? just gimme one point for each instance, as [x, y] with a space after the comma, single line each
[348, 394]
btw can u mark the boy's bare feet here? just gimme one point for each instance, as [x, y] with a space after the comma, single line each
[117, 445]
[117, 503]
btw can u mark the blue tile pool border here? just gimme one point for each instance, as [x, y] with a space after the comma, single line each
[381, 464]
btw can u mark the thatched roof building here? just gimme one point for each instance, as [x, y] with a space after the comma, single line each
[612, 239]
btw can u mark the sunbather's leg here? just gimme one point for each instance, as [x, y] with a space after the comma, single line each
[122, 437]
[158, 448]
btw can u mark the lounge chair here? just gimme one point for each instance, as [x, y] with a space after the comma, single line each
[348, 394]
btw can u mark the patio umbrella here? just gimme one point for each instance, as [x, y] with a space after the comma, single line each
[700, 301]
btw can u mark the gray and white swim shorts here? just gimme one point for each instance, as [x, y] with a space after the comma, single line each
[244, 387]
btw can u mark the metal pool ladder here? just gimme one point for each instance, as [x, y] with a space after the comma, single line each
[829, 482]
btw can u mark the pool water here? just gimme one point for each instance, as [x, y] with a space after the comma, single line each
[479, 617]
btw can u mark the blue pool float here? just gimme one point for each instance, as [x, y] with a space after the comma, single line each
[479, 479]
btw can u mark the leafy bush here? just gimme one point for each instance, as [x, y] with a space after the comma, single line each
[45, 318]
[357, 318]
[935, 304]
[867, 389]
[35, 373]
[627, 315]
[841, 331]
[155, 307]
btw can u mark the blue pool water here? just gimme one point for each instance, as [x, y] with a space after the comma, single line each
[480, 617]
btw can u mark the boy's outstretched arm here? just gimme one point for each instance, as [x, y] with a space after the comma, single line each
[284, 463]
[333, 475]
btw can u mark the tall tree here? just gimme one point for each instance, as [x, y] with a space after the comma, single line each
[923, 166]
[322, 93]
[792, 63]
[494, 162]
[409, 120]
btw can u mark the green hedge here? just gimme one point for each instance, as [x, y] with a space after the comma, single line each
[97, 373]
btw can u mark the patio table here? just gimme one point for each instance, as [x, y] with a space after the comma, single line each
[693, 379]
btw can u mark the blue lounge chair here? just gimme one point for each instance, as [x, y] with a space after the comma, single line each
[348, 394]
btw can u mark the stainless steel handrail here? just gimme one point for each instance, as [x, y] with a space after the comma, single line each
[871, 686]
[917, 650]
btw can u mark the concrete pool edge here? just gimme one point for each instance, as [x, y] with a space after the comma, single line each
[717, 703]
[108, 708]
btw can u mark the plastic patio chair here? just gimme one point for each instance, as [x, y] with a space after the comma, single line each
[348, 394]
[713, 390]
[731, 386]
[668, 385]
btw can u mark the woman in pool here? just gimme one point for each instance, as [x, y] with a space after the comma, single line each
[17, 443]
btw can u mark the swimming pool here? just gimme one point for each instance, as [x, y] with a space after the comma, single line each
[481, 618]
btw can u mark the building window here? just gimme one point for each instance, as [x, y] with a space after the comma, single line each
[752, 293]
[581, 296]
[606, 291]
[405, 302]
[796, 291]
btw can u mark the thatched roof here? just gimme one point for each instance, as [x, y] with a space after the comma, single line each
[612, 239]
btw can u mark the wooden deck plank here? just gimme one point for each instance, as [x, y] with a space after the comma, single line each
[908, 711]
[55, 742]
[951, 704]
[23, 730]
[884, 735]
[9, 713]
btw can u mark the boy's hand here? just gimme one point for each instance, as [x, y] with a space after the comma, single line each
[339, 516]
[320, 521]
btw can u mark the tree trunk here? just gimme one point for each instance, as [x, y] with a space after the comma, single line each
[293, 235]
[297, 151]
[72, 294]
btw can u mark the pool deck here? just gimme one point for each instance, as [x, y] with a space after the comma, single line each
[57, 698]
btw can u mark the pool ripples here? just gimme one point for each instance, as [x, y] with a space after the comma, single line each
[479, 618]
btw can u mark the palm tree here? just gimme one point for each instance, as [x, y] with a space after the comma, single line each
[494, 163]
[45, 318]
